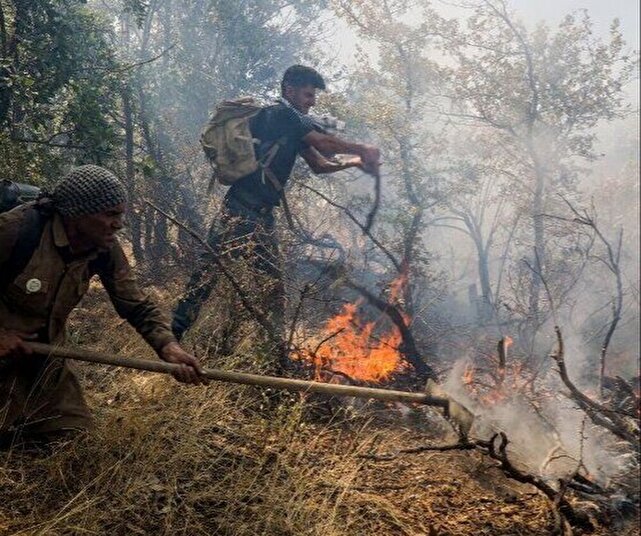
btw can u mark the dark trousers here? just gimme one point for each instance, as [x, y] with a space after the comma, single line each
[40, 396]
[240, 232]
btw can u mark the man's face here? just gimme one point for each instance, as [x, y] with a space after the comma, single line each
[301, 98]
[100, 229]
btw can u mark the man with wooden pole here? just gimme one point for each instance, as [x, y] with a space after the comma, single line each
[49, 250]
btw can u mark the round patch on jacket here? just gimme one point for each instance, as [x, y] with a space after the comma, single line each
[33, 285]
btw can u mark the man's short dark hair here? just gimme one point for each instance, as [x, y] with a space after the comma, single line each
[300, 76]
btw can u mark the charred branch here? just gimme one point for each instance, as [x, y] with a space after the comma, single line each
[496, 449]
[369, 222]
[408, 345]
[611, 420]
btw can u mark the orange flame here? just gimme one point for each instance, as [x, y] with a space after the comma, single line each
[468, 376]
[350, 346]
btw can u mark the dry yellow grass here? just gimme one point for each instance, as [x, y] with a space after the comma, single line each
[166, 459]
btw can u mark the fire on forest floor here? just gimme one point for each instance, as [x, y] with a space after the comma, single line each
[167, 459]
[358, 349]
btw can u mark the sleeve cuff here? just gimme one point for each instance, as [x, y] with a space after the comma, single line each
[158, 342]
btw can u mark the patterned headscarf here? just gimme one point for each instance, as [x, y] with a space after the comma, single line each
[88, 190]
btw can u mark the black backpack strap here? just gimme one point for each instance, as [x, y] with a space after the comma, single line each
[29, 235]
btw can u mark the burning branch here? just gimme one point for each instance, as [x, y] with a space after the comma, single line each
[504, 380]
[408, 345]
[502, 349]
[354, 352]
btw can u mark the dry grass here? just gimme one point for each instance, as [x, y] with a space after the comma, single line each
[167, 459]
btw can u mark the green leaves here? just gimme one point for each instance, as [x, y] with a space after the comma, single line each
[57, 88]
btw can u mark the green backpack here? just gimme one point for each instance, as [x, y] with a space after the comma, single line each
[229, 146]
[228, 142]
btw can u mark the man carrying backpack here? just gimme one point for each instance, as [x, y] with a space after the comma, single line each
[246, 224]
[49, 250]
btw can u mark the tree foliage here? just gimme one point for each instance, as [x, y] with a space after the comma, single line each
[58, 76]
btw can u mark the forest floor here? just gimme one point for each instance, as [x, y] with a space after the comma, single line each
[167, 459]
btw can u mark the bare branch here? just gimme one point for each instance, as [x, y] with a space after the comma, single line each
[498, 453]
[364, 228]
[598, 413]
[245, 300]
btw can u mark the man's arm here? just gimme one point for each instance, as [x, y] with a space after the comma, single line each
[328, 144]
[320, 165]
[143, 314]
[11, 342]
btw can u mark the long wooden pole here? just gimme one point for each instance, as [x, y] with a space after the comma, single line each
[288, 384]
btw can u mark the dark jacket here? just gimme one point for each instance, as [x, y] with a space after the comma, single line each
[53, 282]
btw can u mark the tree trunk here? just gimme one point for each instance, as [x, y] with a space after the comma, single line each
[535, 317]
[5, 91]
[130, 175]
[160, 245]
[412, 230]
[149, 215]
[487, 302]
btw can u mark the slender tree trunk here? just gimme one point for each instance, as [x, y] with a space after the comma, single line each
[409, 241]
[535, 316]
[539, 252]
[160, 246]
[130, 175]
[158, 240]
[412, 230]
[10, 56]
[3, 33]
[617, 305]
[149, 216]
[487, 302]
